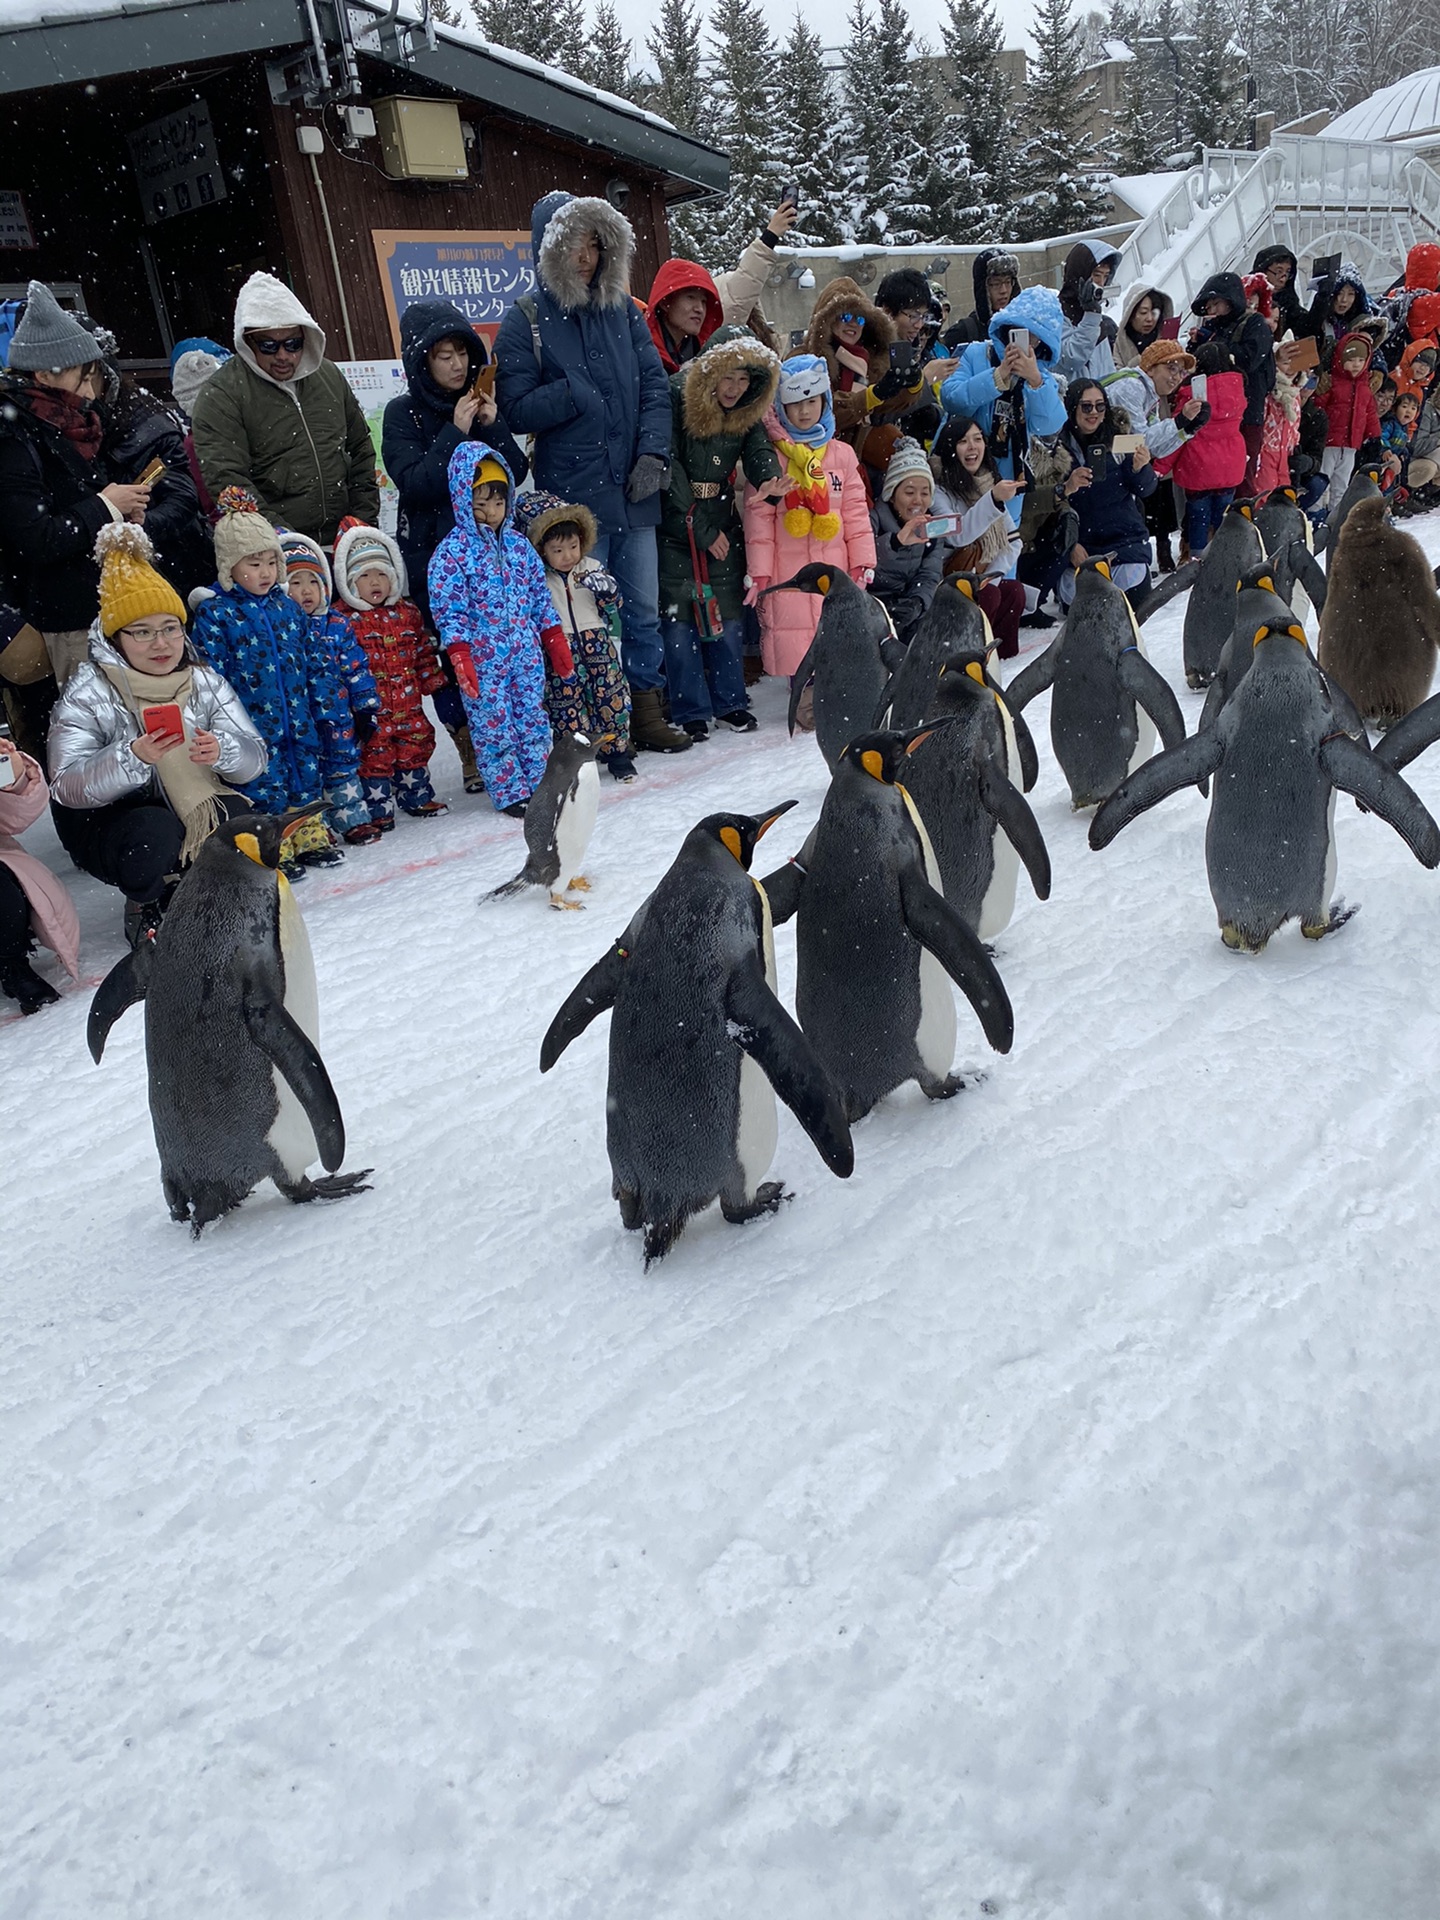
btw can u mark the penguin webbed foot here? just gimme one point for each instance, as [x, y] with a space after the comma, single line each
[767, 1200]
[330, 1186]
[578, 885]
[1339, 915]
[562, 905]
[947, 1088]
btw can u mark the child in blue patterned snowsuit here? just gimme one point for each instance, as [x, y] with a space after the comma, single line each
[253, 633]
[493, 613]
[307, 578]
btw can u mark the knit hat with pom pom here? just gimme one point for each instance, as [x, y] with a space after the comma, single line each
[240, 531]
[130, 588]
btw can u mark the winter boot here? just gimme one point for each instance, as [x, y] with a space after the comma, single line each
[313, 845]
[741, 721]
[698, 729]
[650, 731]
[21, 983]
[1164, 558]
[620, 767]
[465, 747]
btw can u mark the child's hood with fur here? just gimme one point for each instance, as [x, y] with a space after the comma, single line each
[731, 350]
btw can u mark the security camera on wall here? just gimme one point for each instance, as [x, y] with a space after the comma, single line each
[617, 192]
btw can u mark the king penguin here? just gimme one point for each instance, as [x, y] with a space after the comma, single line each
[559, 819]
[845, 659]
[1210, 610]
[700, 1045]
[875, 937]
[1108, 701]
[1259, 603]
[1364, 485]
[1270, 842]
[238, 1091]
[979, 824]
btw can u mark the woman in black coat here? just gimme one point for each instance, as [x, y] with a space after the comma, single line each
[139, 430]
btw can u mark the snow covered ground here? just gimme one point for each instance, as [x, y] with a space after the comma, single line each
[1042, 1523]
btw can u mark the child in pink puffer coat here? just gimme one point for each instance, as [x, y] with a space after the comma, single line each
[823, 514]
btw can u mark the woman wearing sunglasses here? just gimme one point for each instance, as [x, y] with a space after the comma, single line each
[853, 337]
[1105, 488]
[281, 421]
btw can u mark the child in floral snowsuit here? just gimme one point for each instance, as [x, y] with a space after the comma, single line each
[495, 619]
[595, 698]
[395, 759]
[307, 575]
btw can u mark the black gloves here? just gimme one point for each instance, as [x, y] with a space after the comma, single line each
[1194, 426]
[365, 725]
[1091, 297]
[648, 475]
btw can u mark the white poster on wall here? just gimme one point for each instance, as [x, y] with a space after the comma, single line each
[15, 233]
[375, 383]
[176, 166]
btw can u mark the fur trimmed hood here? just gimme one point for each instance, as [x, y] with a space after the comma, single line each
[536, 513]
[556, 227]
[844, 296]
[731, 350]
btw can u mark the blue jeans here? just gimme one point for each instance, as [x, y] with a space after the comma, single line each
[635, 562]
[1203, 514]
[707, 677]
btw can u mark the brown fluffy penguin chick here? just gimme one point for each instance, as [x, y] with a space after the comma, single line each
[1380, 631]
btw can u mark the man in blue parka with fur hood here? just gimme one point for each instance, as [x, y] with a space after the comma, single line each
[579, 371]
[1011, 394]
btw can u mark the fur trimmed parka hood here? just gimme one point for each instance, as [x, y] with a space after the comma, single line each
[556, 227]
[844, 296]
[536, 513]
[267, 304]
[731, 350]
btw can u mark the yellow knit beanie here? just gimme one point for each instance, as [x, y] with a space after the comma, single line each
[130, 588]
[490, 473]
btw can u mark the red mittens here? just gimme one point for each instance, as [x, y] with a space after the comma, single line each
[463, 661]
[557, 651]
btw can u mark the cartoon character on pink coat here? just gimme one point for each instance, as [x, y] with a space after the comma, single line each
[824, 514]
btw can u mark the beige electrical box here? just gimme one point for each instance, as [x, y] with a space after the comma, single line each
[420, 139]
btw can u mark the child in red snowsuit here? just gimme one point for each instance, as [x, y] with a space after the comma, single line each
[394, 765]
[1349, 406]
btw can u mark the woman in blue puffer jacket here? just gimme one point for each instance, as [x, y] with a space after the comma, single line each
[1011, 392]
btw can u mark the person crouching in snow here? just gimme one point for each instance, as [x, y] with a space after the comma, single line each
[307, 579]
[395, 759]
[720, 402]
[493, 612]
[253, 634]
[595, 698]
[821, 516]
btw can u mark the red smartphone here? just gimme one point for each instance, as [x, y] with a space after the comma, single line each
[167, 720]
[1170, 329]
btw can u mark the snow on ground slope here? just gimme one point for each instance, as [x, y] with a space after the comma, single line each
[1041, 1523]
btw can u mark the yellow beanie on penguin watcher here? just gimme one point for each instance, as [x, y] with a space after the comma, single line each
[130, 588]
[490, 473]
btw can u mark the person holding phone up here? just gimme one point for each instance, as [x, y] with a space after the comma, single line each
[146, 744]
[1005, 382]
[1111, 476]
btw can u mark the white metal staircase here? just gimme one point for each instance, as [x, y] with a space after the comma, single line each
[1368, 201]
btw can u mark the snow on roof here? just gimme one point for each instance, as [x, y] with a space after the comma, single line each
[1116, 50]
[1402, 111]
[1145, 191]
[38, 13]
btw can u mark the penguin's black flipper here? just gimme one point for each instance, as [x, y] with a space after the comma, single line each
[1161, 596]
[291, 1052]
[1035, 678]
[593, 994]
[1187, 765]
[939, 929]
[779, 1048]
[123, 987]
[1153, 691]
[1406, 740]
[801, 679]
[1305, 568]
[784, 886]
[1355, 770]
[1011, 810]
[1218, 691]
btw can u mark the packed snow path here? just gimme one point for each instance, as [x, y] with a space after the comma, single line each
[1041, 1523]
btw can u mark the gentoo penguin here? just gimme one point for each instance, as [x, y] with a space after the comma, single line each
[1270, 843]
[1380, 631]
[698, 1041]
[559, 819]
[979, 824]
[844, 659]
[875, 937]
[1364, 485]
[1108, 700]
[1210, 611]
[238, 1091]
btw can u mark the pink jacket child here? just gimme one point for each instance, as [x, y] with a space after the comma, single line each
[1214, 459]
[823, 514]
[51, 917]
[1349, 405]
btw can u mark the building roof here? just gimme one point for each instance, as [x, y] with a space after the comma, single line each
[1408, 109]
[55, 43]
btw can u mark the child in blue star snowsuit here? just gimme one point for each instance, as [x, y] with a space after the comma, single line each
[307, 579]
[493, 613]
[253, 633]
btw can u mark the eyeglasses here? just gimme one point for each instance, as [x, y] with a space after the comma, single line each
[270, 347]
[851, 320]
[171, 630]
[1090, 406]
[915, 313]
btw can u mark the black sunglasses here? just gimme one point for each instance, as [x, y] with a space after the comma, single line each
[269, 348]
[1090, 406]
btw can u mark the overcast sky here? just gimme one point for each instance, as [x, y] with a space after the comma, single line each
[828, 20]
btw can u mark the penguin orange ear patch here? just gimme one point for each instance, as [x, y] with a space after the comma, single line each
[1260, 634]
[976, 673]
[1267, 583]
[247, 844]
[966, 588]
[1298, 633]
[873, 764]
[732, 840]
[1103, 566]
[823, 582]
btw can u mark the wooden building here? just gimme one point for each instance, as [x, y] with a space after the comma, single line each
[156, 153]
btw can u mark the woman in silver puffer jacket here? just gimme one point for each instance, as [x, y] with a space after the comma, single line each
[109, 805]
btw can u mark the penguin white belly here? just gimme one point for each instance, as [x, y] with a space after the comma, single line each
[291, 1136]
[998, 906]
[757, 1124]
[935, 1033]
[1145, 738]
[576, 822]
[1012, 750]
[1330, 863]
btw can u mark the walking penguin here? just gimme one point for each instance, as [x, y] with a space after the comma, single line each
[698, 1041]
[1210, 610]
[845, 658]
[559, 819]
[238, 1091]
